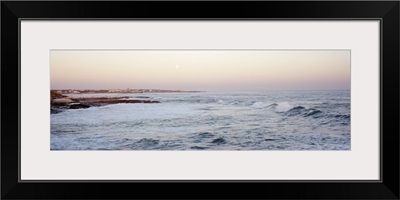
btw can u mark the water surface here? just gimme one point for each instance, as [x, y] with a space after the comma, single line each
[269, 120]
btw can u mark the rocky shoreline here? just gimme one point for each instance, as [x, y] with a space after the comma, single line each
[60, 102]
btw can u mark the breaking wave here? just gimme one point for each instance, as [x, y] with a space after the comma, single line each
[260, 105]
[283, 107]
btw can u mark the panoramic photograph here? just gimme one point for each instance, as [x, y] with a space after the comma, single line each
[200, 100]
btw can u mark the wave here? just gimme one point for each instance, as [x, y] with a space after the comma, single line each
[312, 112]
[206, 135]
[260, 105]
[305, 112]
[148, 142]
[283, 107]
[341, 116]
[198, 147]
[219, 140]
[299, 110]
[287, 109]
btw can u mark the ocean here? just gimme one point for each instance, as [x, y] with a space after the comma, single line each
[261, 120]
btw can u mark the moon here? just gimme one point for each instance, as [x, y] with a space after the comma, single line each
[177, 66]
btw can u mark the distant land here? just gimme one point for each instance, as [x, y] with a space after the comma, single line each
[59, 102]
[71, 91]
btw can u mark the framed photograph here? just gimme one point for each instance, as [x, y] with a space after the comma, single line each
[193, 96]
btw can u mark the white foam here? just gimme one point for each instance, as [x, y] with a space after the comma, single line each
[260, 105]
[283, 107]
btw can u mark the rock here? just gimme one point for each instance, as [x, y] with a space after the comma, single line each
[63, 100]
[78, 106]
[55, 111]
[58, 104]
[54, 95]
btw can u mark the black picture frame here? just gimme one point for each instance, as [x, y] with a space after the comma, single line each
[386, 11]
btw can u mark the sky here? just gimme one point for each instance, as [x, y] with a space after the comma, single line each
[203, 70]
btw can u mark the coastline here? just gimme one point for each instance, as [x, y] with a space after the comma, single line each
[60, 102]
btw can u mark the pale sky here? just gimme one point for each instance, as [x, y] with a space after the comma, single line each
[200, 70]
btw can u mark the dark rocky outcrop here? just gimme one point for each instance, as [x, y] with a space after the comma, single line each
[61, 102]
[55, 111]
[78, 106]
